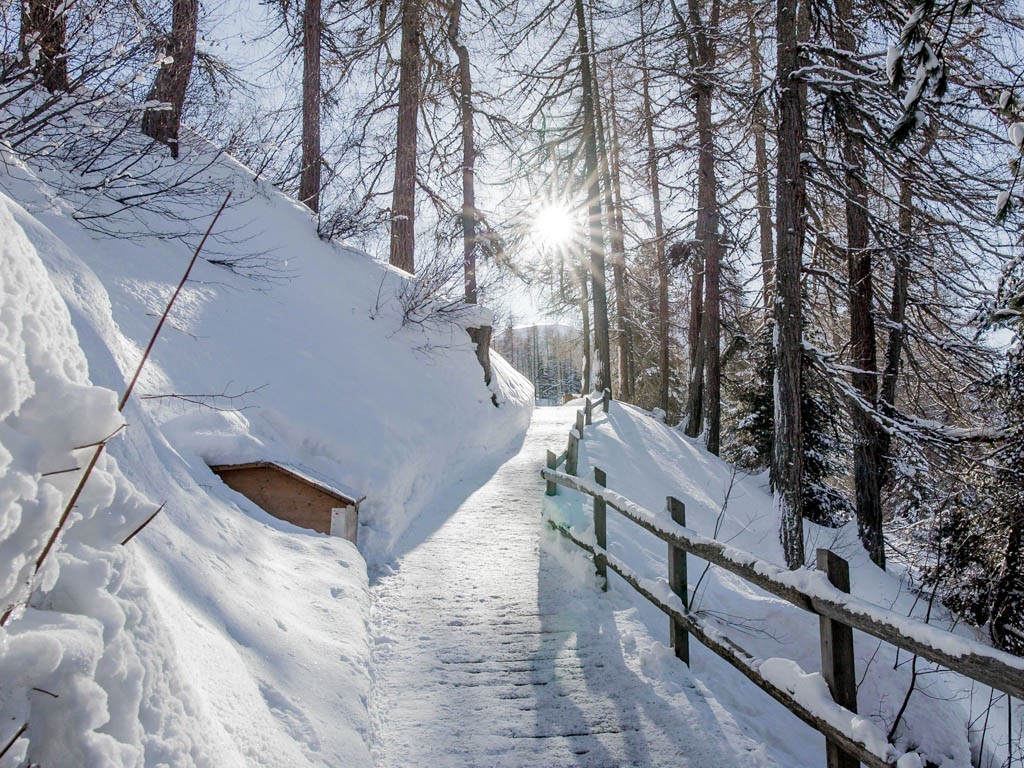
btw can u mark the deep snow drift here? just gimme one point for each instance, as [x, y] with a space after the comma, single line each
[647, 461]
[219, 636]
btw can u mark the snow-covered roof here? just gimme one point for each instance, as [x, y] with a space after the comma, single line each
[331, 488]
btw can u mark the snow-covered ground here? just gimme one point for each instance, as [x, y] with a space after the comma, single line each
[647, 461]
[494, 648]
[220, 636]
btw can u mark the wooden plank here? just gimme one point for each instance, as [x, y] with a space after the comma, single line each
[606, 398]
[678, 637]
[551, 488]
[601, 530]
[579, 423]
[987, 665]
[588, 411]
[738, 657]
[837, 665]
[572, 454]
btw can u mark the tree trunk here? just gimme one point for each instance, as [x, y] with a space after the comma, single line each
[164, 123]
[602, 380]
[762, 186]
[615, 238]
[43, 41]
[708, 237]
[866, 463]
[790, 224]
[898, 307]
[309, 179]
[695, 388]
[705, 395]
[624, 305]
[659, 227]
[403, 205]
[468, 154]
[581, 275]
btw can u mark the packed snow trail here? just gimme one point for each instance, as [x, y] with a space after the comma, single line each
[490, 653]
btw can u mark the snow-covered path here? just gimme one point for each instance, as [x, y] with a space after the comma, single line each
[489, 653]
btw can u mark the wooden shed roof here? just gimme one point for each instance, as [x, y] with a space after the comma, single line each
[339, 492]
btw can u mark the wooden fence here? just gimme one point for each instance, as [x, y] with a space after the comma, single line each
[824, 593]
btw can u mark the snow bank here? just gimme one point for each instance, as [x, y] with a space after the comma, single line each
[646, 461]
[316, 340]
[220, 636]
[72, 662]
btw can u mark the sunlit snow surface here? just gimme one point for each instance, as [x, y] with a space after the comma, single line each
[220, 636]
[493, 646]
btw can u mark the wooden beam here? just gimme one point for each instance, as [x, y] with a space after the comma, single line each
[678, 637]
[601, 530]
[837, 665]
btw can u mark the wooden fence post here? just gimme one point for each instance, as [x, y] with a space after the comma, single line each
[837, 665]
[572, 454]
[601, 529]
[679, 638]
[606, 397]
[579, 423]
[551, 489]
[588, 411]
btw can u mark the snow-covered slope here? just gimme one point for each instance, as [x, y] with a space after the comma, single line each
[647, 461]
[219, 636]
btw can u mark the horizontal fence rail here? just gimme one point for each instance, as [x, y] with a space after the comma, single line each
[812, 592]
[823, 592]
[713, 639]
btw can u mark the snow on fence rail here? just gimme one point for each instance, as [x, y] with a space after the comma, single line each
[823, 592]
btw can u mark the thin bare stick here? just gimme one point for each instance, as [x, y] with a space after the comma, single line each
[101, 441]
[120, 407]
[60, 471]
[11, 743]
[146, 522]
[170, 304]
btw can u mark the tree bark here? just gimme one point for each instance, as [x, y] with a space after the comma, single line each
[762, 186]
[705, 395]
[164, 123]
[659, 228]
[790, 226]
[622, 302]
[898, 306]
[43, 41]
[309, 179]
[694, 337]
[468, 154]
[581, 275]
[708, 236]
[403, 205]
[863, 357]
[615, 237]
[602, 345]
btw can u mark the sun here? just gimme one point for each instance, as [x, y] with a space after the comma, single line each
[554, 225]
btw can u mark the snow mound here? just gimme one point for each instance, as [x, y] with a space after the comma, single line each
[219, 636]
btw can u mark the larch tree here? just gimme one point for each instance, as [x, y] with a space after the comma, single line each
[790, 224]
[699, 29]
[403, 205]
[595, 233]
[659, 227]
[468, 215]
[43, 41]
[163, 122]
[860, 287]
[309, 172]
